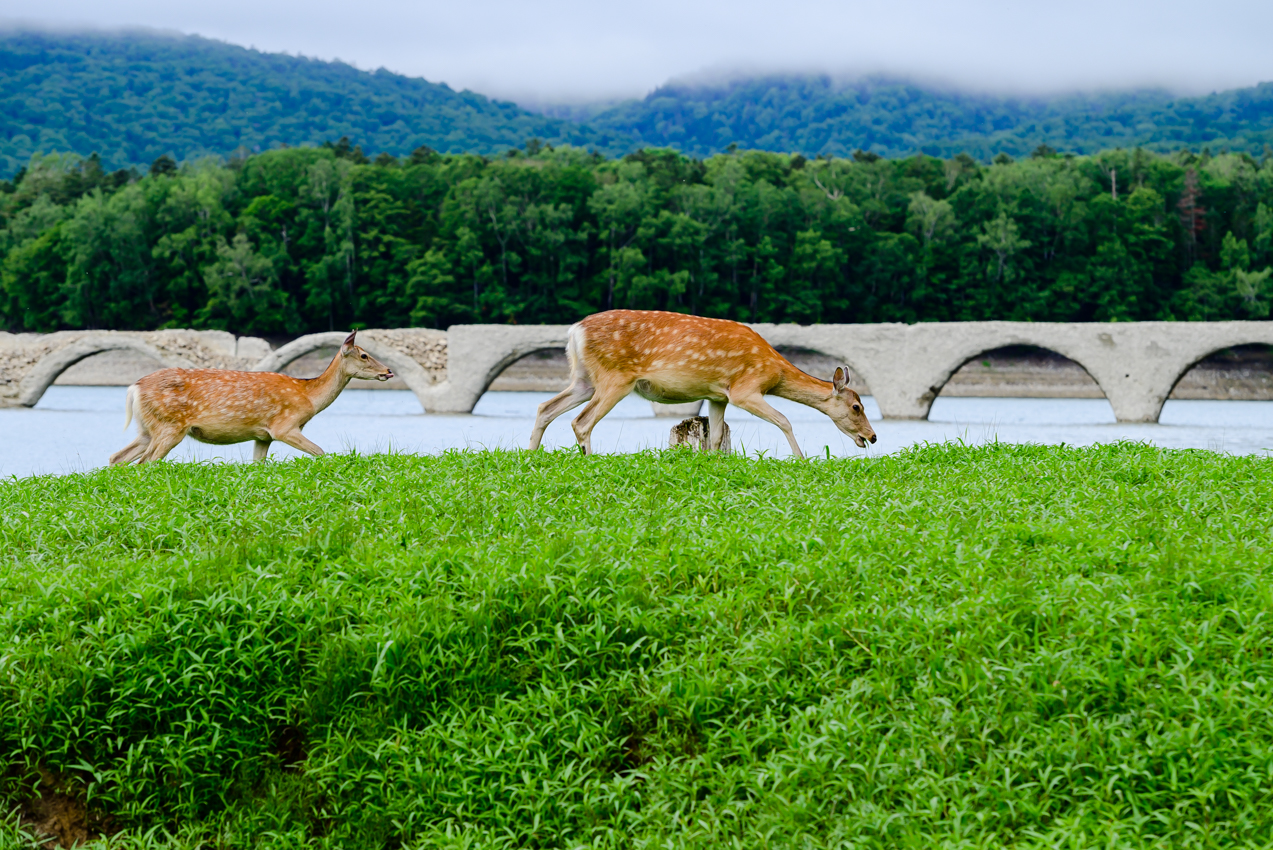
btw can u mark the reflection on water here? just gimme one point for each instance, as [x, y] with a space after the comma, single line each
[76, 428]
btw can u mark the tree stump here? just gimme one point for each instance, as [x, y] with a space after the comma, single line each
[694, 432]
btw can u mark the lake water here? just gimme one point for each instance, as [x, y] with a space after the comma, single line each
[74, 429]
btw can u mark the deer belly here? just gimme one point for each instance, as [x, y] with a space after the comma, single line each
[672, 391]
[224, 435]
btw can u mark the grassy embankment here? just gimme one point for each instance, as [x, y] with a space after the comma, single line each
[952, 647]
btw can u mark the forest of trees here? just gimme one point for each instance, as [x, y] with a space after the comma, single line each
[816, 114]
[318, 238]
[133, 96]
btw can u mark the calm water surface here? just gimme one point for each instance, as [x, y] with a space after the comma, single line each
[74, 429]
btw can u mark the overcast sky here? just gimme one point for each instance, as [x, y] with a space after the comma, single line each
[571, 50]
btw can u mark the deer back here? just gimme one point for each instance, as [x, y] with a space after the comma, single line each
[220, 397]
[641, 343]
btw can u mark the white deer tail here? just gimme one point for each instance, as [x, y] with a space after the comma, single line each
[574, 351]
[129, 401]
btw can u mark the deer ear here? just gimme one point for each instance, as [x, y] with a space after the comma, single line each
[840, 379]
[349, 340]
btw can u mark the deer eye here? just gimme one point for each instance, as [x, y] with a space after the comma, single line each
[363, 356]
[857, 408]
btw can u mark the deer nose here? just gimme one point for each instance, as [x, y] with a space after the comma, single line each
[872, 438]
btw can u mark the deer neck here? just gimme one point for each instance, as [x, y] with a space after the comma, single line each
[323, 390]
[803, 388]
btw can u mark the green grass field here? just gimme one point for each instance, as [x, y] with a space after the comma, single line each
[1003, 646]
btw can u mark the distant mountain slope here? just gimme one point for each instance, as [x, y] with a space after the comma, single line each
[817, 115]
[133, 96]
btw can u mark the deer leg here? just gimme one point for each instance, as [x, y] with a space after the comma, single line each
[715, 424]
[756, 405]
[600, 405]
[260, 450]
[132, 451]
[568, 399]
[297, 440]
[160, 444]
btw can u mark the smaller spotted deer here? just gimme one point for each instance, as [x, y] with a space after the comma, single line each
[671, 358]
[220, 406]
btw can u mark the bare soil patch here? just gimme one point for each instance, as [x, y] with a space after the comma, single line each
[57, 813]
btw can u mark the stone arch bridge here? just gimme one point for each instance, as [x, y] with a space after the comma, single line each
[1136, 364]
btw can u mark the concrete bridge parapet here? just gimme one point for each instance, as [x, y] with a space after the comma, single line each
[447, 370]
[476, 354]
[417, 355]
[29, 363]
[1136, 364]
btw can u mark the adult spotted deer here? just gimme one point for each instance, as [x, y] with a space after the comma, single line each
[221, 407]
[671, 358]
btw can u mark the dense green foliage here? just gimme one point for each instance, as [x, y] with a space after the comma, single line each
[309, 239]
[134, 96]
[817, 115]
[953, 647]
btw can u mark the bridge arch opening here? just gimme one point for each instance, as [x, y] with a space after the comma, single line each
[113, 368]
[1236, 373]
[57, 362]
[1032, 376]
[546, 372]
[519, 385]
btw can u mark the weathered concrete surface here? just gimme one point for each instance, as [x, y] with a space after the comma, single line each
[905, 366]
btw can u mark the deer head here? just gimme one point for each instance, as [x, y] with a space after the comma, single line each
[357, 363]
[845, 409]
